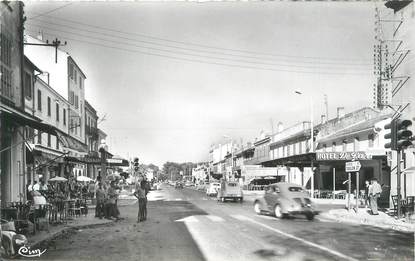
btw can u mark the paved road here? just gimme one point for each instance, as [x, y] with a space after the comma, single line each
[187, 225]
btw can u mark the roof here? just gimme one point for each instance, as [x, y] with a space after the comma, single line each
[361, 126]
[79, 68]
[31, 64]
[89, 107]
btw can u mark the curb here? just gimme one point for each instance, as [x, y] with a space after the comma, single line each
[394, 226]
[66, 229]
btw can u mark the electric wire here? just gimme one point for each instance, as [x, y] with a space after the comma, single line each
[202, 61]
[190, 54]
[189, 49]
[197, 44]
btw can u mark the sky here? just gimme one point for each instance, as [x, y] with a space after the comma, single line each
[172, 78]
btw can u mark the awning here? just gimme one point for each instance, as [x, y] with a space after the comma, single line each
[48, 155]
[23, 118]
[72, 143]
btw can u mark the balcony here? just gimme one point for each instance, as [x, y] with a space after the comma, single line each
[92, 132]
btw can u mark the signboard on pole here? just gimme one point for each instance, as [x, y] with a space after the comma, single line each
[353, 166]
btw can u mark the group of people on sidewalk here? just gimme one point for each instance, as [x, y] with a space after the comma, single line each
[106, 196]
[372, 194]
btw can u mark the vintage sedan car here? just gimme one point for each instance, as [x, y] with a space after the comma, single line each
[230, 190]
[285, 199]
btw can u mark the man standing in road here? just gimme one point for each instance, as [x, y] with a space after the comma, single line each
[141, 196]
[100, 195]
[145, 185]
[374, 193]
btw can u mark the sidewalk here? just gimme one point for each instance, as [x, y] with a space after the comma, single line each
[55, 230]
[363, 217]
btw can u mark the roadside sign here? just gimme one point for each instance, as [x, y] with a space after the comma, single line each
[353, 166]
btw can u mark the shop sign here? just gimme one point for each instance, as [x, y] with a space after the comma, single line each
[114, 161]
[353, 166]
[355, 155]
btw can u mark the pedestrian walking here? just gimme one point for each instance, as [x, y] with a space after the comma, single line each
[367, 184]
[100, 196]
[141, 196]
[374, 193]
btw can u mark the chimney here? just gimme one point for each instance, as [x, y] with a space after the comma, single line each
[340, 112]
[280, 127]
[323, 118]
[40, 36]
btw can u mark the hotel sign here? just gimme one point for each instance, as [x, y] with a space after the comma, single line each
[347, 156]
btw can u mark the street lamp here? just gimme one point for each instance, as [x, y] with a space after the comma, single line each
[228, 137]
[312, 140]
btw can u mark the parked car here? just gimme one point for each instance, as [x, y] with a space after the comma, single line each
[202, 186]
[284, 199]
[230, 190]
[212, 189]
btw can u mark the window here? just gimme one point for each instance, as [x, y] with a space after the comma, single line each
[71, 97]
[76, 102]
[49, 106]
[344, 145]
[57, 142]
[333, 147]
[27, 85]
[324, 147]
[64, 117]
[71, 126]
[39, 100]
[80, 82]
[371, 139]
[356, 144]
[39, 137]
[75, 75]
[5, 64]
[57, 111]
[49, 138]
[71, 69]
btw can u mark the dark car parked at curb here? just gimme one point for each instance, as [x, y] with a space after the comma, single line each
[285, 199]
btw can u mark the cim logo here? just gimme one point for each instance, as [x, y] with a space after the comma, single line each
[27, 252]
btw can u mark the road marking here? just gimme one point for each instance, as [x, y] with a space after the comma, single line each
[178, 199]
[190, 219]
[215, 218]
[333, 252]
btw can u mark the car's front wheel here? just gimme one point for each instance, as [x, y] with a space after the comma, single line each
[278, 211]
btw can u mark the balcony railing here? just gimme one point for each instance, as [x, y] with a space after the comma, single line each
[91, 131]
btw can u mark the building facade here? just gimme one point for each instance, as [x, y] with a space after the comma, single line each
[91, 140]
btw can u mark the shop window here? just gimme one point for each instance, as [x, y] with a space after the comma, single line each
[39, 137]
[49, 140]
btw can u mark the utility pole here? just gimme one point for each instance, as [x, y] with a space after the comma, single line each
[55, 43]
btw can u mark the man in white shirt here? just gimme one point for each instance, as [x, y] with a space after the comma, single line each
[374, 193]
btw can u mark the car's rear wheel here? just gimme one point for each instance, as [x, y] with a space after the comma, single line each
[278, 211]
[257, 208]
[310, 216]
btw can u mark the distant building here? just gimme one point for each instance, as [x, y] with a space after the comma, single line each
[92, 141]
